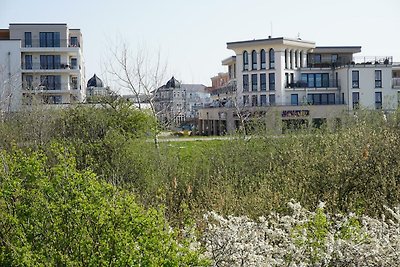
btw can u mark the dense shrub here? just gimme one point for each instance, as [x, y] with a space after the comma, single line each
[54, 215]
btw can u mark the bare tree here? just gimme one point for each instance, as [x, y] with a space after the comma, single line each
[138, 72]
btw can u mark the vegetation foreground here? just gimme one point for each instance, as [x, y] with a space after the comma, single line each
[88, 187]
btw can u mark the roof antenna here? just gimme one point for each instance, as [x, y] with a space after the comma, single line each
[271, 30]
[298, 36]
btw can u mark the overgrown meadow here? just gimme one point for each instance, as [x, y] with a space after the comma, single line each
[105, 159]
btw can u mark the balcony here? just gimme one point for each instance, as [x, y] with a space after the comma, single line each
[54, 43]
[361, 61]
[53, 88]
[330, 84]
[46, 68]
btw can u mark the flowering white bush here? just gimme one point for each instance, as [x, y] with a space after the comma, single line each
[303, 239]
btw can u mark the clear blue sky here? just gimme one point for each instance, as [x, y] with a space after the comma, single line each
[192, 35]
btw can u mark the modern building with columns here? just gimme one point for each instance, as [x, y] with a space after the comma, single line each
[300, 84]
[50, 63]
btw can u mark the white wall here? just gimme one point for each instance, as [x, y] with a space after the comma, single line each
[10, 75]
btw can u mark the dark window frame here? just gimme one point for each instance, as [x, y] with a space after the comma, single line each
[355, 80]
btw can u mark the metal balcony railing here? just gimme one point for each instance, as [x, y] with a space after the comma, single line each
[368, 60]
[49, 87]
[50, 43]
[41, 66]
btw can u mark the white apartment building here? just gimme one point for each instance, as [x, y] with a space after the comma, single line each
[176, 103]
[50, 60]
[303, 83]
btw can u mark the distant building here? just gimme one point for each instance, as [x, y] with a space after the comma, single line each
[95, 87]
[48, 61]
[294, 83]
[177, 103]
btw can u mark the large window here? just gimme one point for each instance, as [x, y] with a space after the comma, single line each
[28, 62]
[272, 81]
[355, 79]
[254, 102]
[254, 60]
[28, 82]
[271, 59]
[334, 58]
[245, 60]
[50, 62]
[254, 85]
[263, 100]
[49, 39]
[296, 59]
[315, 80]
[317, 58]
[51, 82]
[272, 100]
[74, 41]
[321, 99]
[245, 100]
[263, 81]
[74, 63]
[263, 59]
[245, 82]
[286, 59]
[378, 100]
[378, 79]
[294, 99]
[291, 59]
[356, 100]
[28, 39]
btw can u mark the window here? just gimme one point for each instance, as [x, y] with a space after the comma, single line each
[286, 59]
[254, 82]
[301, 59]
[287, 80]
[254, 101]
[296, 59]
[271, 59]
[49, 39]
[272, 100]
[321, 99]
[355, 78]
[263, 81]
[294, 99]
[245, 60]
[315, 80]
[28, 39]
[378, 79]
[356, 100]
[292, 78]
[272, 81]
[378, 100]
[317, 58]
[74, 42]
[28, 82]
[51, 82]
[50, 62]
[263, 100]
[334, 58]
[291, 59]
[254, 60]
[74, 63]
[28, 62]
[74, 83]
[245, 82]
[263, 59]
[230, 71]
[245, 100]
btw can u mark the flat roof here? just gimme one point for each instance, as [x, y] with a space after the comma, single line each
[333, 49]
[228, 60]
[269, 40]
[38, 24]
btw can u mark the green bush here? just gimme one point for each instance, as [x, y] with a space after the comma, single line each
[54, 215]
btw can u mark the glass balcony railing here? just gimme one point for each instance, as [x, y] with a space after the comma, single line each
[50, 43]
[55, 66]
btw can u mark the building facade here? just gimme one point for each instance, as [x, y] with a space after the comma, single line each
[51, 63]
[176, 103]
[300, 83]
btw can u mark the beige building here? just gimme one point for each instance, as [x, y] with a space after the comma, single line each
[51, 63]
[294, 83]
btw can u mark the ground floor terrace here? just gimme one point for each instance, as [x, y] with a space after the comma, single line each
[274, 119]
